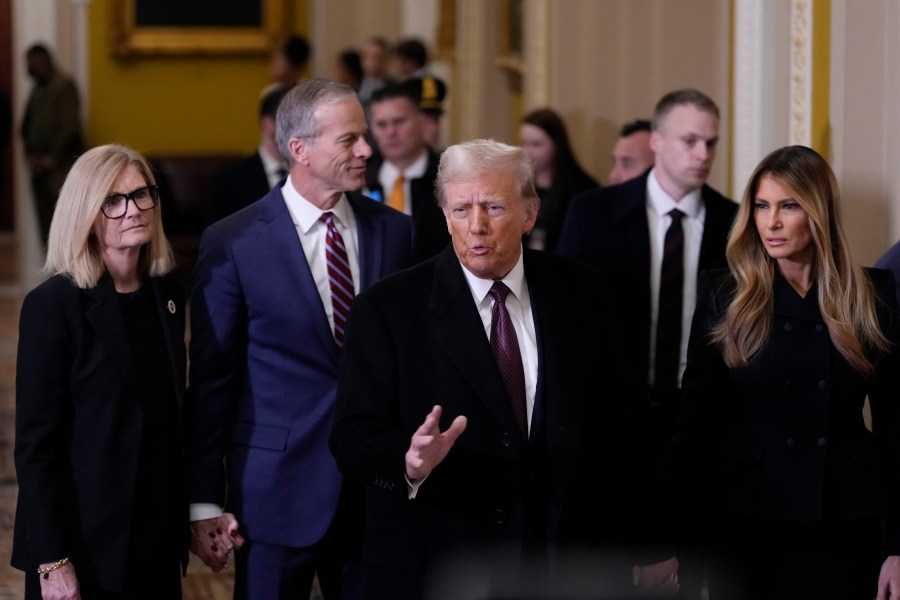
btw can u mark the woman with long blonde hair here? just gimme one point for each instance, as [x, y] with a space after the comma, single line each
[772, 457]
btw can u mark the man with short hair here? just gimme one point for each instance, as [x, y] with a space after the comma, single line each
[404, 171]
[271, 294]
[249, 179]
[51, 131]
[622, 230]
[632, 155]
[478, 400]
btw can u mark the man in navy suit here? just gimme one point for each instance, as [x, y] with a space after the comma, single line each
[266, 324]
[249, 179]
[468, 445]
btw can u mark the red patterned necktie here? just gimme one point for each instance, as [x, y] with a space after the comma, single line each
[339, 277]
[505, 345]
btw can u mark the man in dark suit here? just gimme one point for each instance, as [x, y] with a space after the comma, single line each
[250, 178]
[270, 298]
[478, 400]
[403, 174]
[621, 230]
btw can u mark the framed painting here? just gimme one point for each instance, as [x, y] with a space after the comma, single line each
[196, 27]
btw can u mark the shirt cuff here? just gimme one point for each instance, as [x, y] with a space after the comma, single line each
[413, 488]
[204, 510]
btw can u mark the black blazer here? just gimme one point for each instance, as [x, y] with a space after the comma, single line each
[607, 228]
[784, 439]
[430, 234]
[416, 340]
[236, 186]
[78, 424]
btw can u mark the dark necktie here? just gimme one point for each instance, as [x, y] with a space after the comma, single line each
[340, 280]
[671, 293]
[505, 345]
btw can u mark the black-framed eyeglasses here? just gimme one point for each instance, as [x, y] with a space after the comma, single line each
[116, 205]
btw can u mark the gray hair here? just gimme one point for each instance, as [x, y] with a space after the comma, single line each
[476, 158]
[296, 117]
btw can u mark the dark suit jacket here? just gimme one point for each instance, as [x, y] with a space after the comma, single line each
[235, 187]
[607, 228]
[430, 234]
[416, 340]
[264, 368]
[78, 424]
[784, 439]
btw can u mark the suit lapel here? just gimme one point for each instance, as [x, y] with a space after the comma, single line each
[459, 331]
[173, 331]
[105, 316]
[715, 231]
[279, 228]
[370, 234]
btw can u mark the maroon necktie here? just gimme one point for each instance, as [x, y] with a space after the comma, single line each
[339, 277]
[505, 345]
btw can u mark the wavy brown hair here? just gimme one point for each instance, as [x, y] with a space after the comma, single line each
[846, 295]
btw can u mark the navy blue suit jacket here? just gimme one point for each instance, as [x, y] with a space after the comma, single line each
[264, 365]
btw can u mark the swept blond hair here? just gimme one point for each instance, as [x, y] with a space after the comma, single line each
[72, 249]
[846, 295]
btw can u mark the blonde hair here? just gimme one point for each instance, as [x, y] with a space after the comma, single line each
[72, 249]
[846, 295]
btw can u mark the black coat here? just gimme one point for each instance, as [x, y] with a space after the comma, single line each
[784, 439]
[416, 340]
[79, 424]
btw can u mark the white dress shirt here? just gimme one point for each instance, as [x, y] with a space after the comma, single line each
[659, 203]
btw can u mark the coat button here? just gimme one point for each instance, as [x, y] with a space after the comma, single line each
[499, 517]
[506, 440]
[821, 441]
[789, 327]
[788, 385]
[820, 328]
[823, 384]
[791, 442]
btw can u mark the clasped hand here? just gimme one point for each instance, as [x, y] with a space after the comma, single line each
[213, 539]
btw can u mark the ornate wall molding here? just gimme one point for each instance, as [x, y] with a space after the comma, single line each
[801, 72]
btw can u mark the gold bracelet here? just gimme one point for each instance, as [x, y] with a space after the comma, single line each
[45, 571]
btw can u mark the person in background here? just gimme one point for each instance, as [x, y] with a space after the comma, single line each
[271, 292]
[772, 458]
[348, 68]
[51, 131]
[632, 155]
[376, 52]
[891, 261]
[100, 375]
[558, 174]
[403, 173]
[480, 405]
[250, 178]
[287, 62]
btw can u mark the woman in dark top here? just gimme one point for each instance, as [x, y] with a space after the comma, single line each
[772, 458]
[557, 174]
[100, 375]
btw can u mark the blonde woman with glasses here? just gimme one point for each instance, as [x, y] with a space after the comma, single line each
[99, 380]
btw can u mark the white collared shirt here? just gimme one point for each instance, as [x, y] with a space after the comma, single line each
[518, 304]
[659, 203]
[311, 231]
[388, 173]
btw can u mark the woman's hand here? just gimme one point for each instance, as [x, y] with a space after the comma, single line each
[889, 579]
[60, 584]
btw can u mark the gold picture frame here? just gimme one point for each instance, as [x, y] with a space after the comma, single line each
[132, 39]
